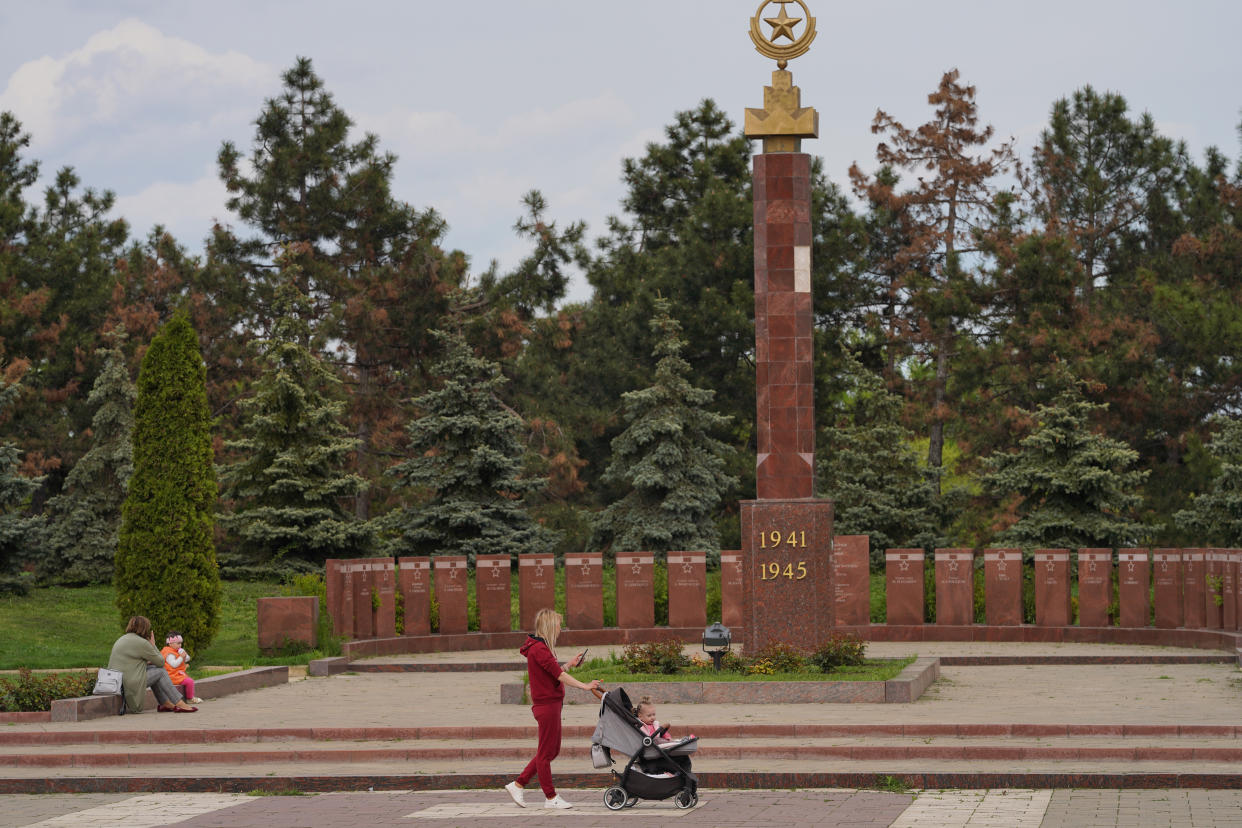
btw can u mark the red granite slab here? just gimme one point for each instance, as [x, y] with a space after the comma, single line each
[954, 587]
[635, 589]
[414, 578]
[1194, 586]
[493, 593]
[451, 584]
[851, 580]
[787, 578]
[687, 589]
[731, 588]
[285, 620]
[584, 591]
[1134, 587]
[1214, 603]
[536, 586]
[1002, 585]
[1052, 588]
[1167, 587]
[904, 586]
[1095, 587]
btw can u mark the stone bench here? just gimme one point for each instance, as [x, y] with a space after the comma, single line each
[213, 687]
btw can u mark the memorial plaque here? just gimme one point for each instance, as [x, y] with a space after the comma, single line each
[1052, 588]
[851, 580]
[364, 610]
[787, 580]
[1095, 587]
[346, 630]
[687, 589]
[584, 591]
[1214, 599]
[954, 587]
[414, 576]
[334, 584]
[1134, 587]
[536, 587]
[1166, 575]
[1229, 579]
[385, 582]
[731, 565]
[903, 580]
[1194, 588]
[1002, 586]
[493, 593]
[635, 596]
[451, 593]
[285, 620]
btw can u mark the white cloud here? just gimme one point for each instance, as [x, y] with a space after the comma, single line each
[187, 209]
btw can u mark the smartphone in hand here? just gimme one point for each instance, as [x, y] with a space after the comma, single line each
[581, 658]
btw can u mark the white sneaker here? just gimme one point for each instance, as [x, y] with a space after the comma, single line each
[557, 802]
[519, 795]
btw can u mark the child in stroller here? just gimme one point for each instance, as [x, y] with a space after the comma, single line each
[657, 769]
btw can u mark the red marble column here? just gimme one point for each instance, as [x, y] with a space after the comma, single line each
[851, 580]
[784, 380]
[955, 576]
[364, 613]
[536, 586]
[1095, 587]
[788, 577]
[584, 591]
[731, 610]
[1229, 579]
[346, 628]
[1133, 587]
[414, 576]
[493, 593]
[451, 593]
[903, 582]
[635, 596]
[1166, 575]
[384, 575]
[1194, 587]
[687, 589]
[1002, 586]
[1052, 588]
[334, 582]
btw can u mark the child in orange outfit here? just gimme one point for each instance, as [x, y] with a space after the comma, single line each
[175, 659]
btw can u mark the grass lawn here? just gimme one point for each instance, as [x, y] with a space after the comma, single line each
[59, 627]
[612, 674]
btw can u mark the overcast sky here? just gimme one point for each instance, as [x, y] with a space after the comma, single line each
[482, 101]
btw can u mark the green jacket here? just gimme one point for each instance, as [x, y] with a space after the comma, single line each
[131, 655]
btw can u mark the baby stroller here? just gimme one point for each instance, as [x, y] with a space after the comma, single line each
[655, 771]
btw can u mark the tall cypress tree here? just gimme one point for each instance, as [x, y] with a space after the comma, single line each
[80, 536]
[668, 458]
[466, 466]
[165, 558]
[289, 483]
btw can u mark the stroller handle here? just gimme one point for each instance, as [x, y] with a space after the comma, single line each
[599, 692]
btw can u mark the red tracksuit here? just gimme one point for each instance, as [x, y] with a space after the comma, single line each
[546, 695]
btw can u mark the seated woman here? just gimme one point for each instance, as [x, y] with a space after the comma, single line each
[142, 666]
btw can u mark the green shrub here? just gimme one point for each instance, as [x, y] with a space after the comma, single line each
[840, 650]
[30, 693]
[782, 657]
[664, 656]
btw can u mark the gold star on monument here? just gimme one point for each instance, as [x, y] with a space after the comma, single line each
[782, 26]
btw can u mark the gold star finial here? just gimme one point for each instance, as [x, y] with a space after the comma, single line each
[782, 26]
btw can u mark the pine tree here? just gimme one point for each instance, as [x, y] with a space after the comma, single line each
[165, 558]
[288, 485]
[668, 459]
[80, 536]
[15, 491]
[1073, 486]
[465, 466]
[1215, 516]
[868, 466]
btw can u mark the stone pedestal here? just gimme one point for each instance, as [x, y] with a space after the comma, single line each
[414, 578]
[1133, 587]
[1214, 600]
[1194, 588]
[1052, 588]
[635, 596]
[288, 620]
[954, 587]
[451, 592]
[584, 591]
[784, 380]
[851, 580]
[536, 587]
[731, 589]
[687, 589]
[787, 580]
[1095, 587]
[360, 578]
[1166, 576]
[1002, 586]
[1229, 579]
[493, 593]
[903, 586]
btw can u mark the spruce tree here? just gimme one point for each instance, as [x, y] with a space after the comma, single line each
[1215, 516]
[80, 535]
[165, 558]
[465, 466]
[289, 484]
[15, 491]
[868, 466]
[1075, 487]
[668, 458]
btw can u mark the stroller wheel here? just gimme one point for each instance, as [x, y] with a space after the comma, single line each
[685, 799]
[631, 802]
[615, 798]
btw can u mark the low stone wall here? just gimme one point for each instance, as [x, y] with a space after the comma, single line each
[213, 687]
[461, 642]
[906, 687]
